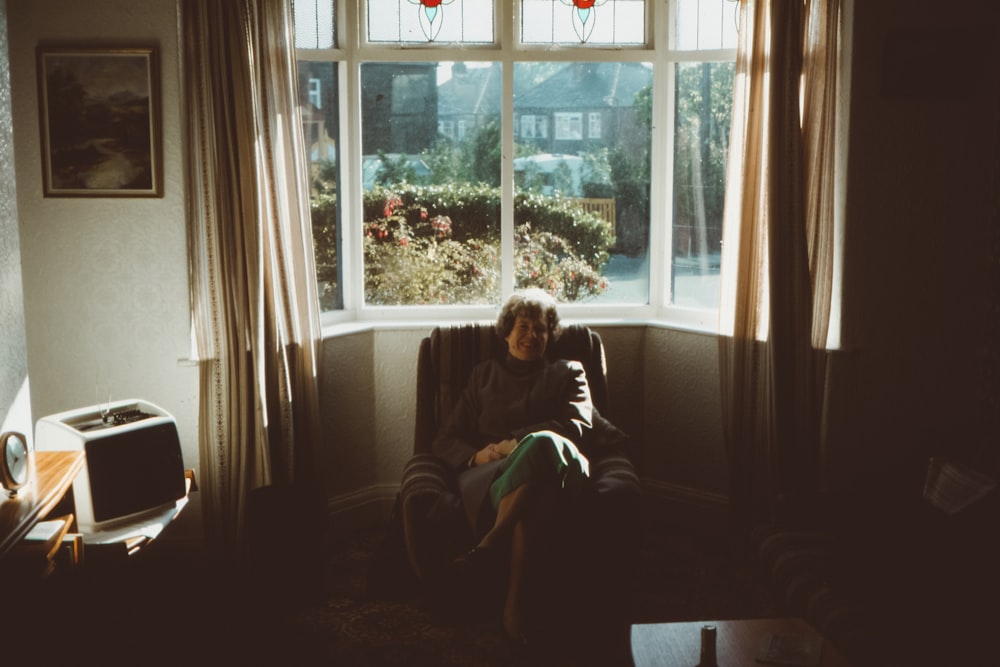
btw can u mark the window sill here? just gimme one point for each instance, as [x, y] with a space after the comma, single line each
[677, 319]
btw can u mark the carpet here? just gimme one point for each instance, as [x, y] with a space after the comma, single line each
[371, 615]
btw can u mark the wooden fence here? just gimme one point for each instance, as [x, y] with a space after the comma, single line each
[604, 208]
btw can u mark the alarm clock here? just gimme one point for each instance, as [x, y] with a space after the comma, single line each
[14, 469]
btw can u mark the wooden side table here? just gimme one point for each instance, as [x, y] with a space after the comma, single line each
[737, 642]
[52, 476]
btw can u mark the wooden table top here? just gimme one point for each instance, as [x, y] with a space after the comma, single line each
[737, 642]
[52, 474]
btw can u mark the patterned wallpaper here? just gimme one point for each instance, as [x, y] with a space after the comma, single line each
[13, 362]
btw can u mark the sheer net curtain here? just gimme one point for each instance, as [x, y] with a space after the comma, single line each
[777, 262]
[256, 312]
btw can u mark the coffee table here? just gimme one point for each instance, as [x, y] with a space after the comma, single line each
[737, 642]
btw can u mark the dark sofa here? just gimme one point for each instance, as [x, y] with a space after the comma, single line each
[890, 571]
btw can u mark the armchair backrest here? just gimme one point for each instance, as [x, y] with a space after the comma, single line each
[448, 354]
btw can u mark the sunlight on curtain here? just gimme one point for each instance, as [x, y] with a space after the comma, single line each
[254, 302]
[777, 260]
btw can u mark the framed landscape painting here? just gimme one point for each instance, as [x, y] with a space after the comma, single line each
[99, 117]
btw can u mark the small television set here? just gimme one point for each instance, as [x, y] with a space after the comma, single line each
[134, 467]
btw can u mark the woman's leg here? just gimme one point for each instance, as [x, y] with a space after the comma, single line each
[512, 507]
[516, 604]
[523, 517]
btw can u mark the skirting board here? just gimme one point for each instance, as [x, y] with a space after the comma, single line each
[372, 506]
[362, 508]
[685, 505]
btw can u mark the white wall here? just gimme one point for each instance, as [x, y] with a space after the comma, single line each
[15, 414]
[105, 279]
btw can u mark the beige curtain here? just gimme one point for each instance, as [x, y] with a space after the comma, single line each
[254, 301]
[777, 262]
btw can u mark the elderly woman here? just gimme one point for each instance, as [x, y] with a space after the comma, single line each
[514, 436]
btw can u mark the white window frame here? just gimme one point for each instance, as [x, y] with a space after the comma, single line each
[594, 125]
[527, 122]
[353, 49]
[569, 125]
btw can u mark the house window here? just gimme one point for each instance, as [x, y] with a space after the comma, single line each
[533, 126]
[413, 209]
[569, 125]
[527, 126]
[594, 125]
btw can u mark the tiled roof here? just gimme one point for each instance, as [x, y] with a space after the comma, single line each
[589, 85]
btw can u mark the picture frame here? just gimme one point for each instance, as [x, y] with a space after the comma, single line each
[99, 117]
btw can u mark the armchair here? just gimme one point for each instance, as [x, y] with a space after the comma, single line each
[605, 532]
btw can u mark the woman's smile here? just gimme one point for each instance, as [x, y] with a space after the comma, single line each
[528, 338]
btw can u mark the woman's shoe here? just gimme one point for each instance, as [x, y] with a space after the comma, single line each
[478, 558]
[478, 567]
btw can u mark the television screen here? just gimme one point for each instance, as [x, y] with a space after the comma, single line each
[135, 470]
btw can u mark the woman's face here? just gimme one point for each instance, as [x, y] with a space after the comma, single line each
[528, 338]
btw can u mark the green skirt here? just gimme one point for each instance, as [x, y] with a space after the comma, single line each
[541, 455]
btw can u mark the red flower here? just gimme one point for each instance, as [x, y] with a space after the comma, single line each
[584, 4]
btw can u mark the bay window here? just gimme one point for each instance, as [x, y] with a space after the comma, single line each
[464, 148]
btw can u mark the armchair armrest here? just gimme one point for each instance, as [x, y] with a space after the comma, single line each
[434, 527]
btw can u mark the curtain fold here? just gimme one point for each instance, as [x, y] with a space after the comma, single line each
[255, 309]
[778, 254]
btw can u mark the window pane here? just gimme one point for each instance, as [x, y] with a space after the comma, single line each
[584, 196]
[706, 24]
[422, 21]
[618, 22]
[314, 24]
[703, 115]
[318, 106]
[431, 177]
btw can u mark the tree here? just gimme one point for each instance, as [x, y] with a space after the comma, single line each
[394, 170]
[484, 155]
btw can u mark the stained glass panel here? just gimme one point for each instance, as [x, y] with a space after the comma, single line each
[598, 22]
[426, 21]
[314, 24]
[705, 24]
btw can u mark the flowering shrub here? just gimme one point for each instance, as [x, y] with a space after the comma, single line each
[441, 245]
[545, 260]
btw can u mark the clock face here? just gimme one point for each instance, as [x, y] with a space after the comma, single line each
[14, 464]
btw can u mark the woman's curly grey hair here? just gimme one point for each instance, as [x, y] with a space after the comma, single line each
[529, 303]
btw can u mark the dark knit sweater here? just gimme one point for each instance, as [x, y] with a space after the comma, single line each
[511, 399]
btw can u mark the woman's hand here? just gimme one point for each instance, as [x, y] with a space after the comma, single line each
[494, 451]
